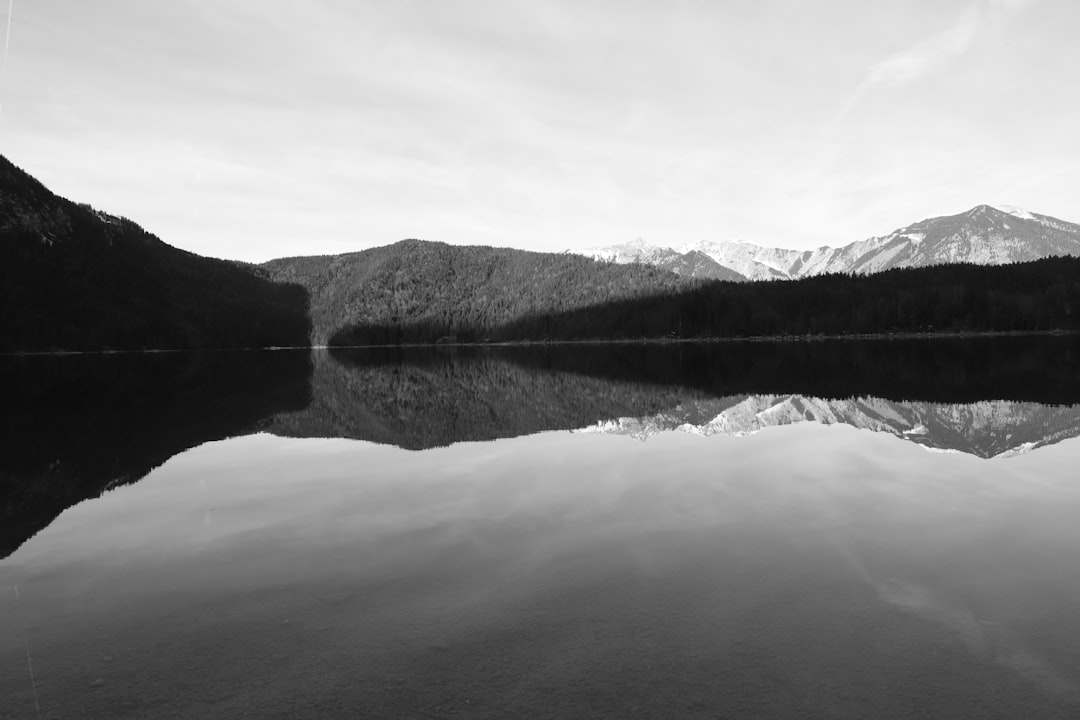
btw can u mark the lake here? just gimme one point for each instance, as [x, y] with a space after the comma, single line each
[830, 529]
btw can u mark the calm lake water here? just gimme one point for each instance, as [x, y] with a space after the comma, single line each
[812, 530]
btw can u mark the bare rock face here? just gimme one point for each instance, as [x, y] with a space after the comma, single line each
[984, 235]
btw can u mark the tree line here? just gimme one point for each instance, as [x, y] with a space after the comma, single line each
[1037, 296]
[462, 291]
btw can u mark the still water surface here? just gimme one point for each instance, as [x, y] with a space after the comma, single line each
[499, 541]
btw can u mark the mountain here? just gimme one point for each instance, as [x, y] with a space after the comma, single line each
[984, 235]
[75, 278]
[689, 263]
[417, 291]
[986, 429]
[1035, 296]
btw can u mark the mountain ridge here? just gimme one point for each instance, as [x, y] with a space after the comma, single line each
[982, 235]
[431, 290]
[76, 278]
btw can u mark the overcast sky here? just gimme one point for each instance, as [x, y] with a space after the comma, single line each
[254, 129]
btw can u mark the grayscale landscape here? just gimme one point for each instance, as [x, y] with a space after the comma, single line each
[497, 359]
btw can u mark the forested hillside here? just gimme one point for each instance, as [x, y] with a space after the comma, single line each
[1043, 295]
[72, 278]
[417, 291]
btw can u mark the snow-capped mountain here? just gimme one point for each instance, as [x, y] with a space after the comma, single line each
[986, 429]
[984, 235]
[690, 262]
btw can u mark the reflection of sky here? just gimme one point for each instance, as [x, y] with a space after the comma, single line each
[474, 539]
[221, 493]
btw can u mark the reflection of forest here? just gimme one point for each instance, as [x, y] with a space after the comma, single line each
[941, 394]
[419, 400]
[74, 427]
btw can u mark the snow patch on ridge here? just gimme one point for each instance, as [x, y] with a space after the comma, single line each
[1021, 449]
[979, 236]
[1015, 211]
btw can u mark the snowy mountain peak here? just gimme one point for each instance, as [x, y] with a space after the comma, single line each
[983, 235]
[689, 262]
[1015, 211]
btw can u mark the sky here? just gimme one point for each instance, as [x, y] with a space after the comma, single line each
[253, 129]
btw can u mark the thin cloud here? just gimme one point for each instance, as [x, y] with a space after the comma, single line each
[909, 65]
[913, 63]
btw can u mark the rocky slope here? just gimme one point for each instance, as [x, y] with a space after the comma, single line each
[984, 235]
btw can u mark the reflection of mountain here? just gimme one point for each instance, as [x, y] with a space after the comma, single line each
[74, 427]
[941, 395]
[428, 399]
[992, 428]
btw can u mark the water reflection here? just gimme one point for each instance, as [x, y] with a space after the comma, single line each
[421, 399]
[987, 429]
[813, 571]
[74, 427]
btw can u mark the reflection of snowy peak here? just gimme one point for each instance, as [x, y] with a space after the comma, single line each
[987, 429]
[686, 414]
[984, 235]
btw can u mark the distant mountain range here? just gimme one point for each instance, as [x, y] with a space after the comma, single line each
[987, 429]
[76, 278]
[984, 235]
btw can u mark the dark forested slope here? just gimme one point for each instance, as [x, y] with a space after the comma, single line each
[417, 291]
[72, 278]
[1038, 296]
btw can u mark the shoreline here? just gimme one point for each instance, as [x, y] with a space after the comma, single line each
[960, 335]
[748, 339]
